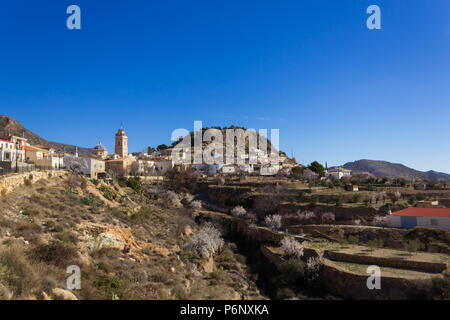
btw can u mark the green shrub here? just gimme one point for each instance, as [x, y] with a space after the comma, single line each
[292, 273]
[108, 193]
[134, 184]
[123, 184]
[353, 239]
[111, 287]
[72, 190]
[413, 245]
[375, 243]
[246, 202]
[87, 200]
[412, 200]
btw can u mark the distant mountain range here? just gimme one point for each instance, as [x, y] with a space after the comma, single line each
[382, 169]
[9, 125]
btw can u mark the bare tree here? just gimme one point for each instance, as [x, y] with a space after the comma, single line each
[116, 172]
[309, 175]
[135, 169]
[76, 164]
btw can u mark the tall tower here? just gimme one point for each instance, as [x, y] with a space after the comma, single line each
[121, 143]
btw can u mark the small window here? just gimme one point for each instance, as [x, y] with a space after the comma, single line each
[434, 222]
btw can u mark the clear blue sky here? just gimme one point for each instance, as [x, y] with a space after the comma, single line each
[337, 91]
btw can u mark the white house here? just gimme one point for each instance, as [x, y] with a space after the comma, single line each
[228, 169]
[269, 170]
[420, 217]
[7, 150]
[338, 173]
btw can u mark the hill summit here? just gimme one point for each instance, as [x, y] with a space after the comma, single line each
[9, 125]
[382, 169]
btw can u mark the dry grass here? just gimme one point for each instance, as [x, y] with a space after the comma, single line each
[48, 231]
[378, 252]
[360, 269]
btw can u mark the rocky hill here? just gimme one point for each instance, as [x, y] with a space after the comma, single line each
[259, 138]
[387, 169]
[7, 124]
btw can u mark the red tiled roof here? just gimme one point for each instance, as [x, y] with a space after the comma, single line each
[424, 212]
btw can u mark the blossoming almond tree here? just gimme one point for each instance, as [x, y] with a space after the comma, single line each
[328, 217]
[273, 221]
[291, 248]
[206, 242]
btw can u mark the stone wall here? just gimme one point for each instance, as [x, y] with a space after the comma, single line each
[436, 240]
[9, 182]
[271, 256]
[276, 259]
[226, 195]
[432, 267]
[353, 286]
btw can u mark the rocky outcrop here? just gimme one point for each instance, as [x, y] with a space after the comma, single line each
[101, 237]
[61, 294]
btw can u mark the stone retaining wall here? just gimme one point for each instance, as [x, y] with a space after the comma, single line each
[432, 267]
[9, 182]
[353, 286]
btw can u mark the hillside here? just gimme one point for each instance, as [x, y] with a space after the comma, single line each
[128, 244]
[387, 169]
[8, 124]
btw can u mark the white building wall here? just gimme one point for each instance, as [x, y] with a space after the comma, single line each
[434, 222]
[426, 222]
[228, 169]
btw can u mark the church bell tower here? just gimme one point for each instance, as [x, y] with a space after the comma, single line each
[121, 143]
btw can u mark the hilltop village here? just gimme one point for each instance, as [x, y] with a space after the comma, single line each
[17, 152]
